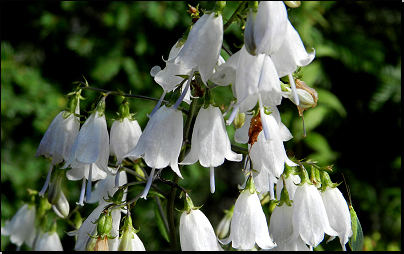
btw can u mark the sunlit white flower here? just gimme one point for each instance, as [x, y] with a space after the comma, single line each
[21, 228]
[49, 241]
[310, 220]
[210, 143]
[125, 134]
[266, 32]
[196, 232]
[202, 49]
[249, 225]
[269, 156]
[338, 213]
[160, 142]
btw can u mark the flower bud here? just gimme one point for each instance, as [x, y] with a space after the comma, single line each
[55, 191]
[292, 4]
[62, 207]
[104, 224]
[239, 120]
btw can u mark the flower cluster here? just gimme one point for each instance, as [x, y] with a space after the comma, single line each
[307, 207]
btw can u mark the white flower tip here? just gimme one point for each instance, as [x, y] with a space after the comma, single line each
[155, 70]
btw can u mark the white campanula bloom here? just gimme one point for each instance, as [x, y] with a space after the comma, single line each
[202, 49]
[269, 156]
[266, 32]
[196, 232]
[113, 243]
[310, 220]
[281, 229]
[291, 54]
[338, 213]
[49, 241]
[225, 73]
[160, 142]
[210, 143]
[21, 228]
[249, 225]
[125, 134]
[92, 144]
[167, 78]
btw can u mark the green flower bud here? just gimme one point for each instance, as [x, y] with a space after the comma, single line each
[239, 120]
[104, 225]
[55, 191]
[292, 4]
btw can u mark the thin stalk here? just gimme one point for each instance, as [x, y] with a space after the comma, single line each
[233, 17]
[173, 190]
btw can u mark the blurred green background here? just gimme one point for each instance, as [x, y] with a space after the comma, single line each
[356, 126]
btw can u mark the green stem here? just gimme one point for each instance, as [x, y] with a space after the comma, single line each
[173, 190]
[233, 17]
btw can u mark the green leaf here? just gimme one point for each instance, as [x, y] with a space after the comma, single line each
[331, 101]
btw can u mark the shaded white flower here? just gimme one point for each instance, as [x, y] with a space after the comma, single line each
[92, 144]
[49, 241]
[310, 220]
[160, 142]
[124, 137]
[249, 225]
[291, 185]
[21, 228]
[196, 232]
[202, 49]
[113, 243]
[338, 213]
[210, 143]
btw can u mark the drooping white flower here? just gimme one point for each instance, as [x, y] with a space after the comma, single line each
[310, 220]
[49, 241]
[338, 213]
[202, 49]
[266, 32]
[92, 144]
[21, 228]
[210, 143]
[249, 225]
[269, 155]
[61, 133]
[160, 142]
[124, 137]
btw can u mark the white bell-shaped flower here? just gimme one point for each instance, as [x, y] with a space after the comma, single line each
[310, 220]
[202, 49]
[267, 31]
[91, 144]
[61, 133]
[210, 143]
[129, 240]
[249, 225]
[291, 54]
[50, 241]
[196, 232]
[125, 134]
[107, 186]
[270, 155]
[338, 213]
[21, 228]
[160, 142]
[168, 77]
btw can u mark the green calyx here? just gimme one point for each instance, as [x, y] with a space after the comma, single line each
[104, 225]
[284, 195]
[219, 7]
[188, 205]
[208, 99]
[326, 181]
[73, 103]
[250, 185]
